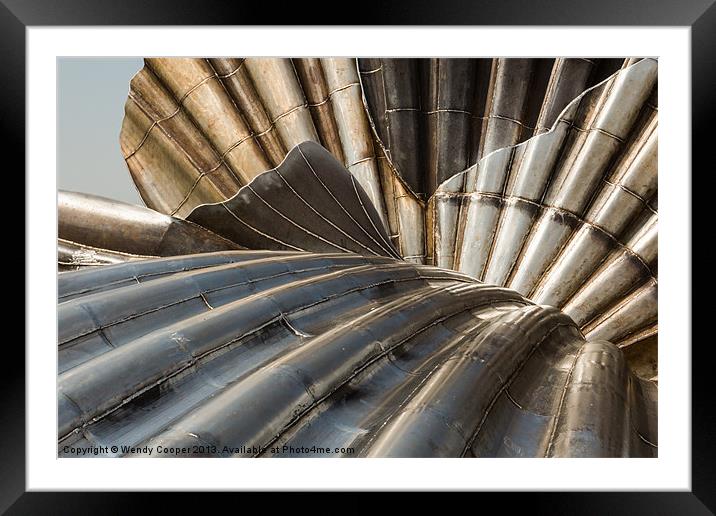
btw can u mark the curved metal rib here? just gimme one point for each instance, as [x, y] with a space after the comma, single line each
[96, 228]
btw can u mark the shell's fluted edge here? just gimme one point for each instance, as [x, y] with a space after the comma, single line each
[280, 353]
[196, 130]
[310, 202]
[435, 117]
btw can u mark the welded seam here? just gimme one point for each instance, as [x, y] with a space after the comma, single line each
[390, 253]
[500, 216]
[210, 291]
[341, 88]
[137, 277]
[180, 106]
[614, 305]
[509, 119]
[226, 76]
[370, 219]
[361, 368]
[206, 302]
[644, 202]
[293, 329]
[291, 110]
[156, 122]
[366, 72]
[296, 224]
[655, 446]
[545, 207]
[362, 160]
[563, 397]
[222, 161]
[202, 173]
[426, 378]
[265, 235]
[632, 337]
[514, 402]
[368, 266]
[508, 381]
[322, 217]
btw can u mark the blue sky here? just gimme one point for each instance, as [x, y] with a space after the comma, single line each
[90, 106]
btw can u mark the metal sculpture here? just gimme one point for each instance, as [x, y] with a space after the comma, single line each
[330, 329]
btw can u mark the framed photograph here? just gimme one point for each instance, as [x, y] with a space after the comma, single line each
[429, 241]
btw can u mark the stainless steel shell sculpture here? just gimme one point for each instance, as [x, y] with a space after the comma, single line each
[309, 202]
[440, 250]
[436, 117]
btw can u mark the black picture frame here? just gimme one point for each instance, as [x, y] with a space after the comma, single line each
[700, 15]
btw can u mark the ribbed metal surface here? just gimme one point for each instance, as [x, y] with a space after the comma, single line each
[247, 353]
[196, 130]
[597, 263]
[568, 218]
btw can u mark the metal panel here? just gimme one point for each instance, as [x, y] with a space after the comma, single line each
[92, 227]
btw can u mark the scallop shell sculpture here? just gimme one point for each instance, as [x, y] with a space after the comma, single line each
[381, 239]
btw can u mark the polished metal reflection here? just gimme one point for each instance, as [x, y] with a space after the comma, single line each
[436, 117]
[196, 130]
